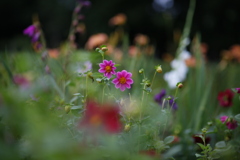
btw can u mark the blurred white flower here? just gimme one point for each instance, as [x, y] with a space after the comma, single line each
[180, 69]
[85, 67]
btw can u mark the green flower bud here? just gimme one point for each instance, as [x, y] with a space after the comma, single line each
[141, 71]
[159, 69]
[67, 109]
[127, 127]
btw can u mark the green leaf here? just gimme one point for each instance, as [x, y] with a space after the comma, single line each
[237, 117]
[76, 107]
[77, 94]
[201, 146]
[220, 144]
[168, 139]
[198, 155]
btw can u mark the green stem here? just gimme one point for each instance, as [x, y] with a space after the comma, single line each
[153, 77]
[103, 93]
[187, 27]
[86, 88]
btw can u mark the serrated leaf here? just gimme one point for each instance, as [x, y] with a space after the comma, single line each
[220, 144]
[168, 139]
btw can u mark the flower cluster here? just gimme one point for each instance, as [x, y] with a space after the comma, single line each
[230, 123]
[225, 98]
[159, 98]
[101, 117]
[180, 69]
[34, 33]
[123, 79]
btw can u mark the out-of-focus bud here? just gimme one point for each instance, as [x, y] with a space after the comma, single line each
[127, 127]
[148, 84]
[179, 85]
[67, 109]
[159, 69]
[104, 48]
[141, 71]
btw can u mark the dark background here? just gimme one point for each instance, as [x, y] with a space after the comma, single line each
[218, 21]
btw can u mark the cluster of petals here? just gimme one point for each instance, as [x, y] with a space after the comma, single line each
[107, 67]
[225, 98]
[123, 80]
[101, 117]
[179, 70]
[33, 32]
[230, 123]
[159, 99]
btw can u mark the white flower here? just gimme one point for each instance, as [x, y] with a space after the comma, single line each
[180, 69]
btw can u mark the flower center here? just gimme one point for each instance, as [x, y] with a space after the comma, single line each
[95, 120]
[108, 68]
[122, 80]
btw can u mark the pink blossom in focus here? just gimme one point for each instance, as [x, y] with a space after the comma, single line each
[123, 80]
[107, 67]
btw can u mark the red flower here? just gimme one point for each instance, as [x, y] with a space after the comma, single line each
[225, 98]
[99, 117]
[197, 139]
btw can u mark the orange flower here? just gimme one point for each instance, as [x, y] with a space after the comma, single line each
[141, 39]
[96, 40]
[53, 53]
[119, 19]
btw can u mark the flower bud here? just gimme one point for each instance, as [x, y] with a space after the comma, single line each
[141, 71]
[104, 49]
[67, 109]
[127, 127]
[179, 85]
[159, 69]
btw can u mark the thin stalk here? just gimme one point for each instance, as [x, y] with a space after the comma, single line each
[153, 77]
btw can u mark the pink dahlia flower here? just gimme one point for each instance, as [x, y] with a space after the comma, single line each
[225, 98]
[123, 80]
[230, 123]
[238, 90]
[107, 67]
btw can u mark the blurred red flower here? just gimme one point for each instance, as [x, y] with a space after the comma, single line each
[225, 98]
[101, 117]
[197, 139]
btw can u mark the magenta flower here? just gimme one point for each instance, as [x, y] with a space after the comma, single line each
[225, 98]
[33, 32]
[238, 90]
[107, 67]
[123, 80]
[230, 123]
[30, 30]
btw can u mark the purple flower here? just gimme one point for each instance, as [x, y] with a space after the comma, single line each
[33, 32]
[238, 90]
[30, 30]
[123, 80]
[84, 3]
[225, 98]
[107, 67]
[173, 104]
[159, 97]
[230, 123]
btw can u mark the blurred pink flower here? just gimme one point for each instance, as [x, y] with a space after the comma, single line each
[33, 32]
[123, 80]
[21, 81]
[238, 90]
[107, 67]
[230, 123]
[225, 98]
